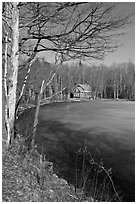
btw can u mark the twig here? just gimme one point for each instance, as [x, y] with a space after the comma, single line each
[76, 173]
[30, 22]
[54, 94]
[72, 196]
[50, 80]
[107, 175]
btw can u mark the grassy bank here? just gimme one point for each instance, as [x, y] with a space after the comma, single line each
[28, 178]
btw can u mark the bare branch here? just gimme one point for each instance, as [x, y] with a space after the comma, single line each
[27, 24]
[53, 95]
[71, 26]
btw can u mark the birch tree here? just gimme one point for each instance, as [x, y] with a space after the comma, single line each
[11, 41]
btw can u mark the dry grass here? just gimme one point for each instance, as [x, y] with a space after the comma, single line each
[92, 177]
[28, 177]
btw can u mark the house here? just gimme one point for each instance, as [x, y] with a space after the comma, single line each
[82, 91]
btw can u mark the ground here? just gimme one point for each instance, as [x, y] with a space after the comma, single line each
[24, 178]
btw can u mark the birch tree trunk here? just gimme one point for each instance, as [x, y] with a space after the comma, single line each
[117, 92]
[6, 134]
[36, 114]
[114, 91]
[61, 88]
[12, 71]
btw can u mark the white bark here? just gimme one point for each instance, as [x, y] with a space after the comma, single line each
[59, 92]
[5, 89]
[37, 113]
[13, 69]
[61, 89]
[23, 86]
[117, 92]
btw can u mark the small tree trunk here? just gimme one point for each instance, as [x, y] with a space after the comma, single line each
[23, 87]
[56, 86]
[101, 94]
[114, 94]
[117, 92]
[61, 89]
[7, 137]
[105, 93]
[37, 113]
[114, 91]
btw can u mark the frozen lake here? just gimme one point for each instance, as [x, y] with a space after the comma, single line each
[108, 126]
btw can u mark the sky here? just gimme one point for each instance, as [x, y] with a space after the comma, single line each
[125, 53]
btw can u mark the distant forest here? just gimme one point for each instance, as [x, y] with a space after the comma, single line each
[116, 81]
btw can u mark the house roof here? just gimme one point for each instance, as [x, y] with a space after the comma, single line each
[85, 87]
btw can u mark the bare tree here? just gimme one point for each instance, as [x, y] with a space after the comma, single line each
[73, 29]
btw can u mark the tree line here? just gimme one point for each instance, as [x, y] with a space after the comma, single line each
[116, 81]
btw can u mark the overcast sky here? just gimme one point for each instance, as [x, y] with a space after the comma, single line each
[124, 53]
